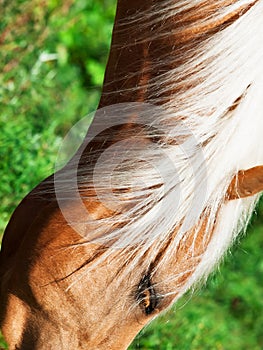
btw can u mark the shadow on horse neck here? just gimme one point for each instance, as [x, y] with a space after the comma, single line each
[167, 176]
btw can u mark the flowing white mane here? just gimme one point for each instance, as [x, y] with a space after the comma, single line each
[208, 128]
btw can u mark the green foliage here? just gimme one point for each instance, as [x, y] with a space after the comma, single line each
[3, 344]
[52, 59]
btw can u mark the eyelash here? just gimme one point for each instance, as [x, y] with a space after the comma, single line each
[146, 295]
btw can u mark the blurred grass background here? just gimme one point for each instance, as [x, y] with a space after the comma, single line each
[52, 60]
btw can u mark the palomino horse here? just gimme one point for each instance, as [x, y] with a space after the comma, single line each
[165, 179]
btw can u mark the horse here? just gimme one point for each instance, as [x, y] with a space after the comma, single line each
[165, 179]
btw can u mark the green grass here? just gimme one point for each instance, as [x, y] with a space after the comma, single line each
[40, 99]
[39, 102]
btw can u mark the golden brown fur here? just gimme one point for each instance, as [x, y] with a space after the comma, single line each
[55, 291]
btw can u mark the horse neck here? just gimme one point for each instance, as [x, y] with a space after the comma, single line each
[153, 38]
[171, 54]
[182, 56]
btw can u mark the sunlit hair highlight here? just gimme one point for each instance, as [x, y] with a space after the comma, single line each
[162, 187]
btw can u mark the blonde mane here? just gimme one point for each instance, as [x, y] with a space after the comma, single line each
[166, 181]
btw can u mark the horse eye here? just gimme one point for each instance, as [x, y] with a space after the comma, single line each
[146, 295]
